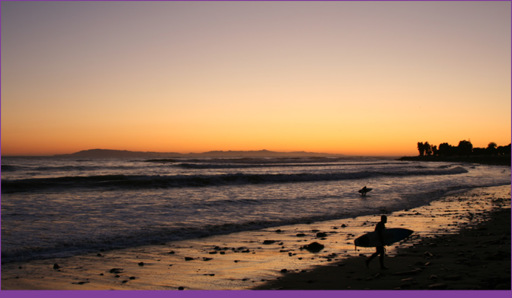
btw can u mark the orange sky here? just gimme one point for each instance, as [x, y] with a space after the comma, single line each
[364, 78]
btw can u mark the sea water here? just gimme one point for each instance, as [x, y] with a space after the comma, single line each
[57, 207]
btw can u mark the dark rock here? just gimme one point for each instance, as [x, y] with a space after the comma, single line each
[81, 282]
[313, 247]
[207, 259]
[321, 235]
[141, 264]
[181, 288]
[284, 270]
[188, 259]
[56, 266]
[301, 235]
[269, 241]
[171, 252]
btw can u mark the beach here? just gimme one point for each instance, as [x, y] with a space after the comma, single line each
[477, 258]
[461, 241]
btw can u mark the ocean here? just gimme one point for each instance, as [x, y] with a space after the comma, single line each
[59, 207]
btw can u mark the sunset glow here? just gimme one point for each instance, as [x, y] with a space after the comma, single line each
[361, 78]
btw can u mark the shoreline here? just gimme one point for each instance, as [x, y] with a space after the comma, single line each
[477, 258]
[494, 160]
[256, 259]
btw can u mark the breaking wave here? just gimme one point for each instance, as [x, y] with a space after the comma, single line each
[174, 181]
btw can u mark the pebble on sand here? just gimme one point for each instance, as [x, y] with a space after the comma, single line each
[313, 247]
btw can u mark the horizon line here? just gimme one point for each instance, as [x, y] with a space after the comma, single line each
[203, 152]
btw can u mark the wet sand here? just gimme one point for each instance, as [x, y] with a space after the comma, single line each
[477, 258]
[460, 242]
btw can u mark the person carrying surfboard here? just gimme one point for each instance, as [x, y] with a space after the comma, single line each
[379, 229]
[363, 191]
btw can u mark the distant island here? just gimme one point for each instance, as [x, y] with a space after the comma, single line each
[109, 153]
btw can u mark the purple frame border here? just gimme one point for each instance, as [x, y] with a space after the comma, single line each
[257, 293]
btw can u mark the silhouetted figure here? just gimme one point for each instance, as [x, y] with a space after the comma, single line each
[379, 229]
[364, 191]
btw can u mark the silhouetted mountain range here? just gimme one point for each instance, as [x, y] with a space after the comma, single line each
[107, 153]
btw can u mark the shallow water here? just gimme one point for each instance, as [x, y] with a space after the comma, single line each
[63, 207]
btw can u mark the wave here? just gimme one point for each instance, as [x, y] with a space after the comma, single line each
[158, 236]
[145, 182]
[153, 236]
[71, 247]
[9, 168]
[266, 164]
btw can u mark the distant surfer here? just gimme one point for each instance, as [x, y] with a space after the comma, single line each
[379, 229]
[364, 191]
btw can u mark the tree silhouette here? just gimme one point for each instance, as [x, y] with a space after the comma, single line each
[465, 148]
[435, 152]
[504, 150]
[428, 149]
[446, 149]
[492, 154]
[421, 148]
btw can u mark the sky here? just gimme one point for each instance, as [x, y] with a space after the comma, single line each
[358, 78]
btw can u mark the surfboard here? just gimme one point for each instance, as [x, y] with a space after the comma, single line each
[390, 236]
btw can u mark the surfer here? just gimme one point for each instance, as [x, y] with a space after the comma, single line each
[364, 190]
[379, 229]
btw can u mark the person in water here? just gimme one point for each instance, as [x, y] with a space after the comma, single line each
[364, 191]
[379, 229]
